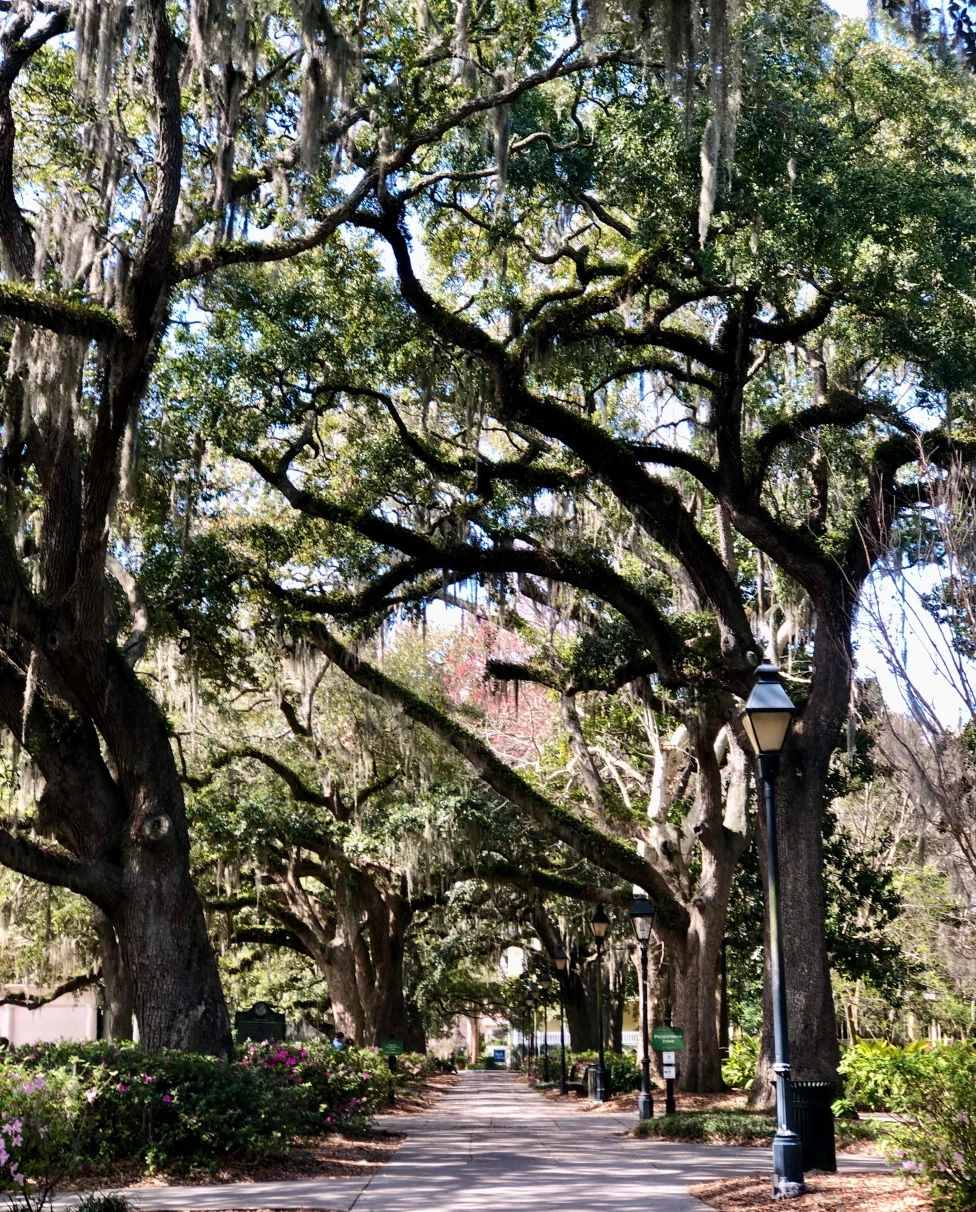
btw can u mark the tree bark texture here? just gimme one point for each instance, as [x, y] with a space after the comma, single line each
[800, 803]
[119, 1007]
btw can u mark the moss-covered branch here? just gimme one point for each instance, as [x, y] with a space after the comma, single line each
[60, 315]
[591, 843]
[537, 879]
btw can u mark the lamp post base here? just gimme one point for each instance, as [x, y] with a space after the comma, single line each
[787, 1165]
[645, 1107]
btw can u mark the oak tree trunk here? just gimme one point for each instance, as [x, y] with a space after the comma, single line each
[119, 1007]
[800, 803]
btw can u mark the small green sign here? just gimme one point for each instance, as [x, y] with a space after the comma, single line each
[392, 1047]
[668, 1039]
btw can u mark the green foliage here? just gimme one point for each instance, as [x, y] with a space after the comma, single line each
[717, 1127]
[935, 1140]
[877, 1075]
[625, 1073]
[180, 1109]
[104, 1203]
[43, 1121]
[739, 1068]
[415, 1064]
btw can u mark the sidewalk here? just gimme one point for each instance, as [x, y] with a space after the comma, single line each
[492, 1145]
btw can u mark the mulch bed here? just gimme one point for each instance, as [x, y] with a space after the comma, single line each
[312, 1157]
[424, 1095]
[825, 1193]
[627, 1103]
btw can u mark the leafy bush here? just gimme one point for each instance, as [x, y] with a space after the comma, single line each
[936, 1140]
[740, 1067]
[625, 1074]
[105, 1203]
[414, 1065]
[877, 1074]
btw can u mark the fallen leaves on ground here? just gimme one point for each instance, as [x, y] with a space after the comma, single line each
[424, 1095]
[624, 1104]
[312, 1157]
[825, 1193]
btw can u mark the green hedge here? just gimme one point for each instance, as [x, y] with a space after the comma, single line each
[739, 1128]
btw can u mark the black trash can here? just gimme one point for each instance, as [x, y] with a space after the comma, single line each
[814, 1121]
[597, 1083]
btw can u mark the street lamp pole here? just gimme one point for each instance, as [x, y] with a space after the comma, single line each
[530, 1004]
[561, 960]
[599, 925]
[642, 915]
[545, 983]
[766, 718]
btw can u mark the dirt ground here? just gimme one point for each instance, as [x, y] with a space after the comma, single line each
[423, 1095]
[825, 1193]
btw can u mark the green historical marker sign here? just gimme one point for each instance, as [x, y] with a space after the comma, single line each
[668, 1039]
[392, 1047]
[260, 1023]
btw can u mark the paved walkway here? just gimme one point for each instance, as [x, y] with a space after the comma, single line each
[492, 1145]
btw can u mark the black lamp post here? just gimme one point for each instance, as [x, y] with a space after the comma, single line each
[599, 925]
[642, 915]
[545, 983]
[561, 960]
[766, 718]
[534, 991]
[530, 1005]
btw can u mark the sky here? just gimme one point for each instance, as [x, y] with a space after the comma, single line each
[925, 644]
[850, 8]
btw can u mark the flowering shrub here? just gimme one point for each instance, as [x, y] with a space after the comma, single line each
[936, 1141]
[414, 1065]
[181, 1108]
[40, 1122]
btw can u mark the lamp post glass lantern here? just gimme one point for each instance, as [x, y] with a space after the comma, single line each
[766, 718]
[642, 916]
[561, 960]
[599, 925]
